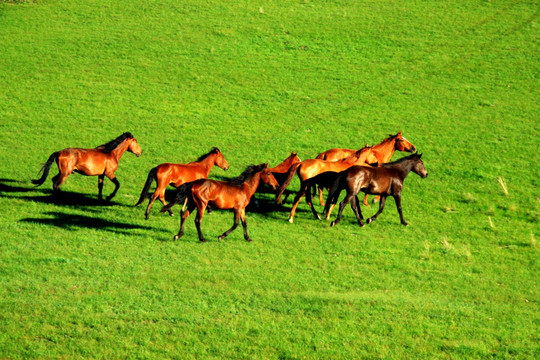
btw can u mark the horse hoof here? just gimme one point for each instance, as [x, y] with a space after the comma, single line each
[171, 214]
[369, 221]
[249, 240]
[203, 240]
[404, 223]
[291, 220]
[332, 224]
[221, 238]
[176, 237]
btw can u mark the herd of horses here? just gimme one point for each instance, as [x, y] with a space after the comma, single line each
[364, 170]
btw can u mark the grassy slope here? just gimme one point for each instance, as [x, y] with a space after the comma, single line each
[260, 80]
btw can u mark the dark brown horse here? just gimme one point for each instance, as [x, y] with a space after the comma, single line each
[384, 180]
[380, 154]
[312, 167]
[101, 161]
[234, 194]
[178, 174]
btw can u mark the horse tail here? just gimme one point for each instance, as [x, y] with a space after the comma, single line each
[45, 169]
[288, 179]
[335, 190]
[182, 193]
[144, 194]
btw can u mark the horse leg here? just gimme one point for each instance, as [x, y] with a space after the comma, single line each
[397, 198]
[198, 220]
[321, 199]
[342, 205]
[244, 224]
[235, 225]
[355, 205]
[54, 181]
[116, 187]
[332, 206]
[381, 208]
[366, 202]
[100, 186]
[183, 219]
[297, 199]
[310, 203]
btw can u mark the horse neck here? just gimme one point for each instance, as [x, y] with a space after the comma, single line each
[385, 149]
[208, 162]
[120, 149]
[253, 183]
[284, 166]
[404, 168]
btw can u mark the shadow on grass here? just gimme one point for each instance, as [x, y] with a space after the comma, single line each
[76, 222]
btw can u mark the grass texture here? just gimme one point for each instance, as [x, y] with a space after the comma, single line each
[259, 79]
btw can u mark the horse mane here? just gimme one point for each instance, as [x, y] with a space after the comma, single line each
[402, 160]
[113, 144]
[247, 174]
[212, 151]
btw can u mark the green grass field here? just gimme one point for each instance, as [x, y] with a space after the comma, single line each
[259, 79]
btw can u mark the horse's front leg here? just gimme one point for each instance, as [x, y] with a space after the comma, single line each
[183, 218]
[100, 186]
[297, 199]
[198, 221]
[235, 225]
[116, 187]
[342, 205]
[381, 208]
[397, 198]
[355, 204]
[244, 224]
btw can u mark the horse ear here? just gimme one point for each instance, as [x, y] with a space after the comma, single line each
[420, 156]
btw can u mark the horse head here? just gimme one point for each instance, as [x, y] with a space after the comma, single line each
[134, 147]
[419, 167]
[403, 144]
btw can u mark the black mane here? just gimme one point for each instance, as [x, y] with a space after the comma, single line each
[247, 174]
[402, 160]
[212, 151]
[113, 144]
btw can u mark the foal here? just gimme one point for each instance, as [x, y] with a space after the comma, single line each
[234, 194]
[385, 180]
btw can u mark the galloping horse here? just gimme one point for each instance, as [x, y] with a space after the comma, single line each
[178, 174]
[312, 167]
[234, 194]
[101, 161]
[381, 154]
[384, 180]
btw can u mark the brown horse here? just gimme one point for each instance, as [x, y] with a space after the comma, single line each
[280, 171]
[381, 154]
[178, 174]
[384, 180]
[234, 194]
[101, 161]
[312, 167]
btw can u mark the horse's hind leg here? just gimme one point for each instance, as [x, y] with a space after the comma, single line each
[381, 208]
[310, 203]
[321, 199]
[297, 199]
[58, 180]
[235, 225]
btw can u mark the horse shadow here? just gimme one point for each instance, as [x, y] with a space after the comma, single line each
[10, 188]
[74, 222]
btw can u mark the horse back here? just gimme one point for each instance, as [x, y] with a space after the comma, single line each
[220, 194]
[85, 161]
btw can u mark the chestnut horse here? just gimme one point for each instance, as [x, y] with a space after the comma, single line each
[234, 194]
[384, 180]
[381, 153]
[312, 167]
[178, 174]
[101, 161]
